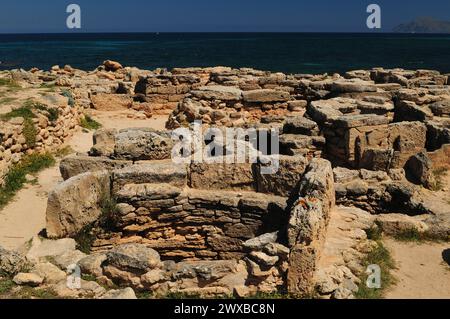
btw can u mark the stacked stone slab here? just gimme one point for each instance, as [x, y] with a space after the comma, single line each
[199, 212]
[49, 134]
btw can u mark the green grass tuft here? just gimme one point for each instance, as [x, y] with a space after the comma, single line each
[89, 123]
[9, 83]
[64, 151]
[7, 100]
[29, 132]
[110, 217]
[52, 113]
[413, 235]
[24, 112]
[15, 178]
[49, 87]
[35, 293]
[374, 233]
[6, 285]
[85, 239]
[378, 256]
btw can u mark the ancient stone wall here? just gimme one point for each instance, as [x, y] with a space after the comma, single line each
[41, 132]
[204, 212]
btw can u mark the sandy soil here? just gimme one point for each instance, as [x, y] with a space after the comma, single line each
[422, 272]
[24, 217]
[121, 120]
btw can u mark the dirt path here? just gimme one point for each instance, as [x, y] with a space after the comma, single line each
[24, 217]
[422, 272]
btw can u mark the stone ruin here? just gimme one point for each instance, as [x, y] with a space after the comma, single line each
[354, 151]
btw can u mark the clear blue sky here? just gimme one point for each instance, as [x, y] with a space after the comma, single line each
[22, 16]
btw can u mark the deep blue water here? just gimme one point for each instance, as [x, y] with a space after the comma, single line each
[285, 52]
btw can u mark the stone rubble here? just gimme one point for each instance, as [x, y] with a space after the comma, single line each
[354, 152]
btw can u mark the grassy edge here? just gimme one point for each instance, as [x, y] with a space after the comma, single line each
[380, 256]
[15, 179]
[89, 123]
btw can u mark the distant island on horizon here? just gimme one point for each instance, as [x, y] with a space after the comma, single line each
[424, 25]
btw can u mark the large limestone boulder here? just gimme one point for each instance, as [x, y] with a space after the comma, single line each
[49, 272]
[352, 86]
[300, 125]
[154, 173]
[397, 224]
[111, 102]
[112, 65]
[134, 257]
[419, 169]
[28, 279]
[41, 249]
[104, 142]
[441, 108]
[75, 203]
[75, 165]
[11, 262]
[221, 176]
[287, 177]
[217, 92]
[143, 144]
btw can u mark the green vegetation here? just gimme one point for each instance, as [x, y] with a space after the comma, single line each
[15, 178]
[29, 132]
[107, 221]
[378, 256]
[9, 83]
[275, 295]
[144, 295]
[7, 100]
[26, 111]
[87, 277]
[35, 293]
[7, 290]
[64, 151]
[6, 285]
[85, 238]
[89, 123]
[374, 233]
[110, 217]
[413, 235]
[50, 87]
[68, 94]
[52, 113]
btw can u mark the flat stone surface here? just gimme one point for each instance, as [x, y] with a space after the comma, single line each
[350, 121]
[218, 92]
[266, 96]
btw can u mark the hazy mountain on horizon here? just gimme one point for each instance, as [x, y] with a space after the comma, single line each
[424, 25]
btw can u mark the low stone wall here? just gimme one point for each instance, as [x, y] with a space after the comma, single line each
[193, 224]
[43, 134]
[211, 224]
[228, 106]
